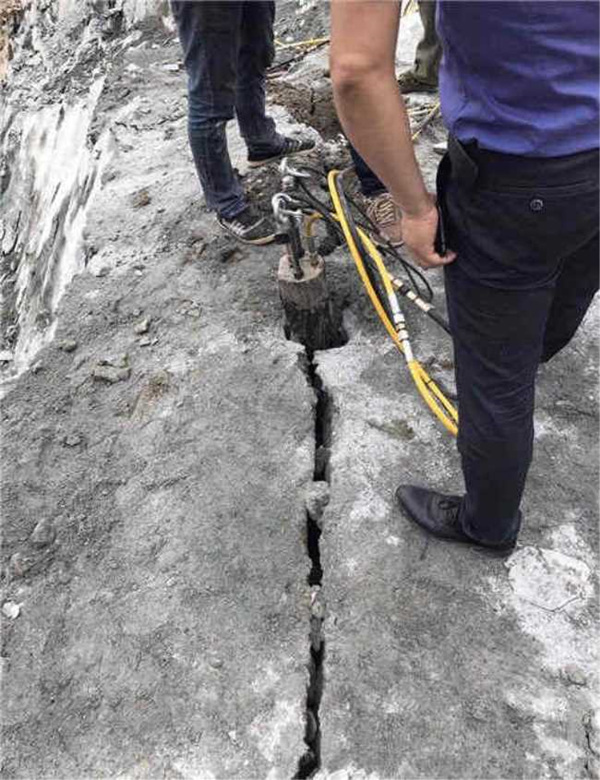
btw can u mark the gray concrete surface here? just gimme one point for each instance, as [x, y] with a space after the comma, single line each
[157, 619]
[443, 661]
[160, 428]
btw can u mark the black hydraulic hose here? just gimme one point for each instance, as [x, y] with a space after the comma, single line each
[367, 262]
[389, 249]
[314, 199]
[364, 255]
[425, 306]
[370, 268]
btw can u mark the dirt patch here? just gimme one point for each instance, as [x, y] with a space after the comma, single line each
[310, 105]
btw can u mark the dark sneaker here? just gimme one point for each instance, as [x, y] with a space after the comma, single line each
[291, 147]
[249, 227]
[439, 515]
[410, 82]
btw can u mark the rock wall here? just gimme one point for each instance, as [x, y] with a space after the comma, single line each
[54, 143]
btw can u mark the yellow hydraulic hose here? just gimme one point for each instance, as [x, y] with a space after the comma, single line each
[310, 220]
[301, 44]
[427, 386]
[439, 404]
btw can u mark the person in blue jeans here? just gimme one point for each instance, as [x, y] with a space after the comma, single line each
[227, 47]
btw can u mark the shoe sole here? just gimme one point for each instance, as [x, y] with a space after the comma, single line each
[419, 89]
[277, 158]
[249, 242]
[499, 551]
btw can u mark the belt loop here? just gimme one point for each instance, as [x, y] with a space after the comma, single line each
[464, 168]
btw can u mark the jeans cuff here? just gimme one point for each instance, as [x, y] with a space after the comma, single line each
[232, 211]
[372, 192]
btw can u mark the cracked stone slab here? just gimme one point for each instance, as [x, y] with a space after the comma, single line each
[168, 630]
[442, 661]
[163, 629]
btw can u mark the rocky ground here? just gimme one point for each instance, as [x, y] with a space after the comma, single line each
[203, 571]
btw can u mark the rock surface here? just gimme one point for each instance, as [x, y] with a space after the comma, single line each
[202, 562]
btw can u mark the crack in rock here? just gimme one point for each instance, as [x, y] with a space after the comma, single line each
[317, 499]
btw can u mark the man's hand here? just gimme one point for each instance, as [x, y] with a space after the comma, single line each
[419, 231]
[372, 111]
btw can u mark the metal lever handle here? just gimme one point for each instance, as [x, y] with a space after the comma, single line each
[288, 170]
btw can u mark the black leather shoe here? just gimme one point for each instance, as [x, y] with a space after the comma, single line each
[439, 515]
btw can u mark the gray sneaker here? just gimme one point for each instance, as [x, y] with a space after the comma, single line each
[249, 227]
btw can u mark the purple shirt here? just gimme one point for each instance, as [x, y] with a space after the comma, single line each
[521, 77]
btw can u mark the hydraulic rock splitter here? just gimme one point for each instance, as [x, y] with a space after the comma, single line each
[302, 271]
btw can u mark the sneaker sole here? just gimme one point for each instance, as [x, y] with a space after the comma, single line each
[250, 242]
[420, 88]
[277, 158]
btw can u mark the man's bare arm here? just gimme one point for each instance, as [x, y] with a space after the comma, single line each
[372, 112]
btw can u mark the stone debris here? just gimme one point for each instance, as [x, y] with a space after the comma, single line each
[20, 564]
[118, 361]
[111, 374]
[142, 327]
[140, 199]
[317, 615]
[43, 534]
[317, 499]
[574, 675]
[67, 345]
[72, 440]
[317, 604]
[11, 610]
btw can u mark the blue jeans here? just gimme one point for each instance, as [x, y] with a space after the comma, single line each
[370, 185]
[227, 47]
[525, 231]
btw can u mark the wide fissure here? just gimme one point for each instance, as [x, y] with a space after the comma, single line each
[310, 761]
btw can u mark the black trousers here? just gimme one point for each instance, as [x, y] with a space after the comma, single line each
[526, 235]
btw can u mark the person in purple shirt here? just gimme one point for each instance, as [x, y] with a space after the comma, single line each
[519, 95]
